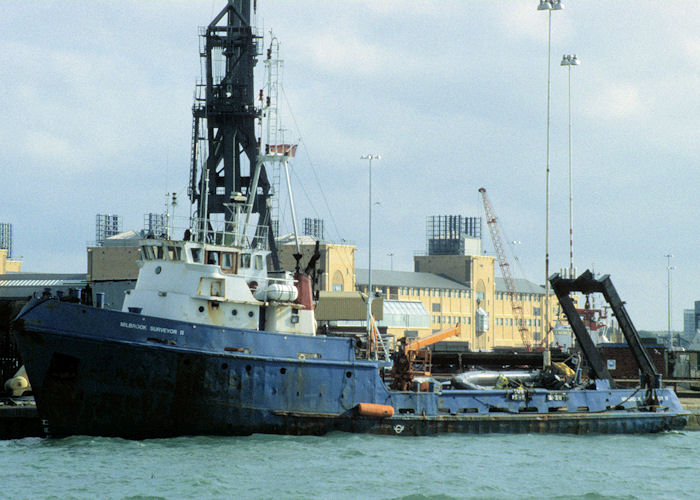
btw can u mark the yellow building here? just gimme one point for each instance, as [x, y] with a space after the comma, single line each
[444, 290]
[335, 268]
[9, 266]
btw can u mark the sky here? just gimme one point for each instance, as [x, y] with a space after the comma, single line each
[96, 118]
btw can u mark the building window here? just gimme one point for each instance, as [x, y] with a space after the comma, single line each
[436, 307]
[338, 282]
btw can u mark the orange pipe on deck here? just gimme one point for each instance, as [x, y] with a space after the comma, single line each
[374, 410]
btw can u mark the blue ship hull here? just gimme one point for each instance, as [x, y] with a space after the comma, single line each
[110, 373]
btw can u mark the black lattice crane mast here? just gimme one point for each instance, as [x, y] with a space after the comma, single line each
[226, 113]
[515, 302]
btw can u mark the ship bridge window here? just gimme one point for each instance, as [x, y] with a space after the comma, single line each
[152, 252]
[174, 253]
[258, 262]
[213, 258]
[245, 260]
[196, 254]
[228, 262]
[147, 253]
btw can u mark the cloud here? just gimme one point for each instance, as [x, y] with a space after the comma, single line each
[343, 53]
[617, 101]
[97, 97]
[46, 147]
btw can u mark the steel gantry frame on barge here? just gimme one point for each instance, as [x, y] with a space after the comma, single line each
[587, 284]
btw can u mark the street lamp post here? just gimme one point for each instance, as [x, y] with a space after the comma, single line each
[370, 157]
[549, 6]
[569, 60]
[669, 268]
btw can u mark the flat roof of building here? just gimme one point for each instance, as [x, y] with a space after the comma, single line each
[22, 285]
[521, 286]
[407, 278]
[430, 280]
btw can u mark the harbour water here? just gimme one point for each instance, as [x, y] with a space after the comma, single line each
[355, 466]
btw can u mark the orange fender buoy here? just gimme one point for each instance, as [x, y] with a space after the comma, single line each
[374, 410]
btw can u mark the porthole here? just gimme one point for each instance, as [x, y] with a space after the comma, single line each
[201, 309]
[283, 371]
[234, 312]
[251, 314]
[158, 269]
[348, 374]
[224, 366]
[248, 368]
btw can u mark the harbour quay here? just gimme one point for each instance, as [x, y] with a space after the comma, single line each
[19, 419]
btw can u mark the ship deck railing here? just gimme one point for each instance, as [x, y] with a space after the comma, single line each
[233, 233]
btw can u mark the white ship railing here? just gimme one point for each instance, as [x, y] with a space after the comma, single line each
[218, 232]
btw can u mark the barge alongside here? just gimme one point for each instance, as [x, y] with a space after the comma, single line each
[115, 373]
[211, 342]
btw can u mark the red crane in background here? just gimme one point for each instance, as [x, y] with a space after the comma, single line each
[515, 300]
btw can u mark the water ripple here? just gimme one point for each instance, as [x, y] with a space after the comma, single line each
[354, 466]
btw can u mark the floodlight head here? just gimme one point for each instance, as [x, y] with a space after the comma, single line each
[556, 4]
[544, 5]
[575, 60]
